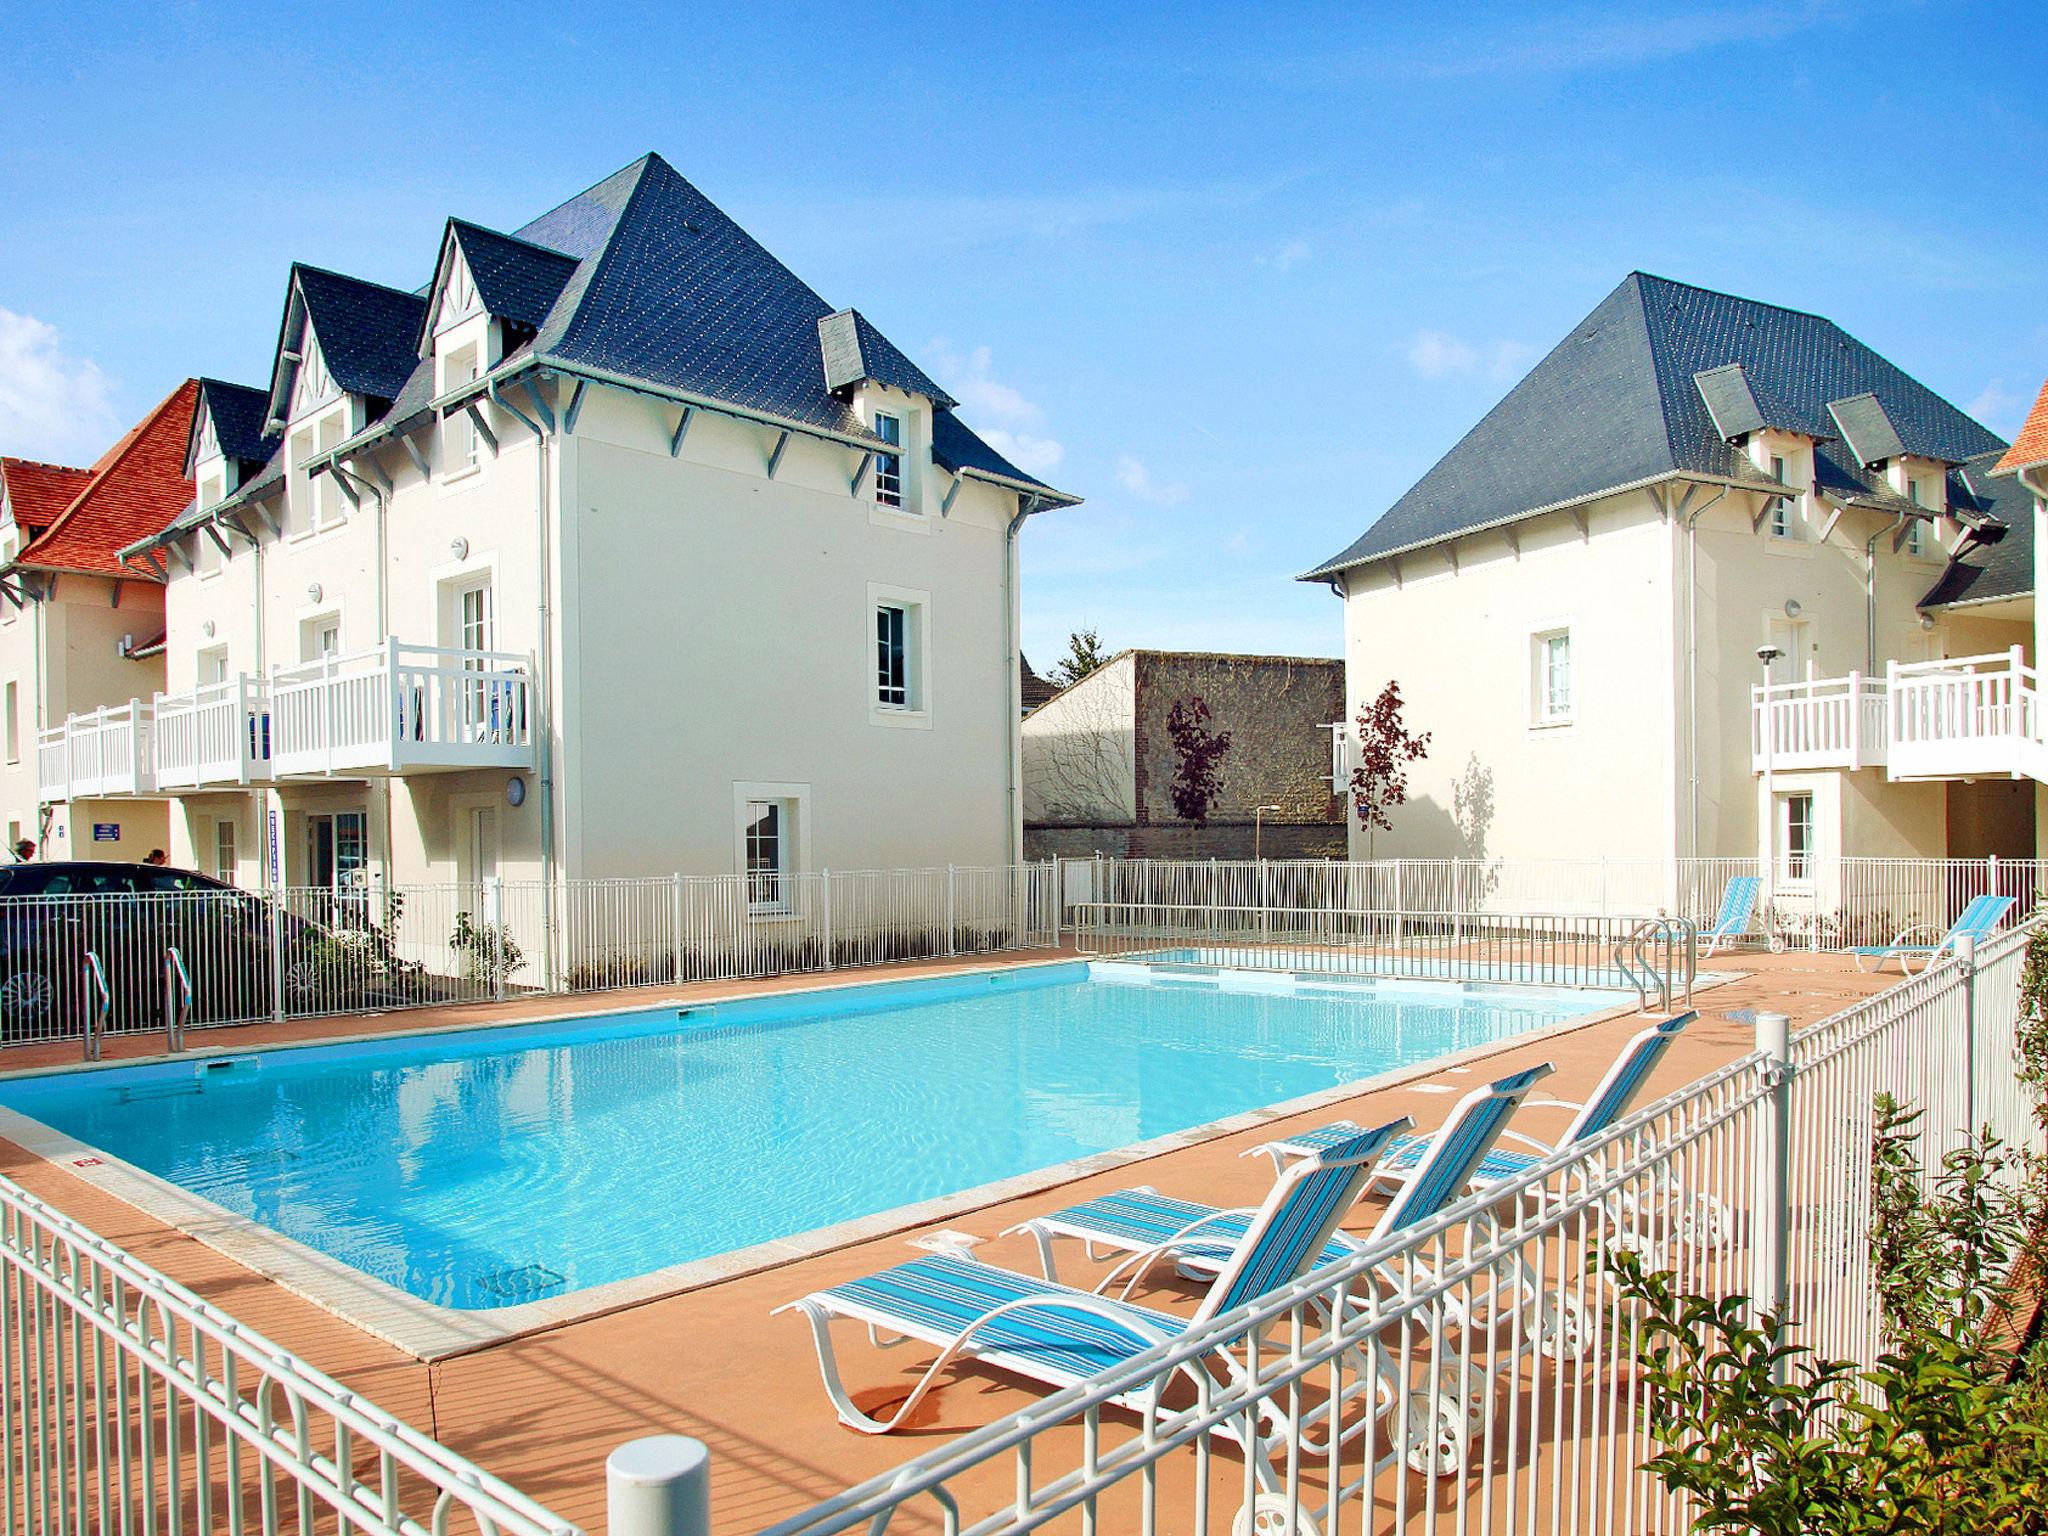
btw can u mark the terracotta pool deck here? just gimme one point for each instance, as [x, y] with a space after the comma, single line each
[544, 1410]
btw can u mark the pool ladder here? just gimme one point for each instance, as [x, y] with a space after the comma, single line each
[1659, 956]
[177, 998]
[98, 999]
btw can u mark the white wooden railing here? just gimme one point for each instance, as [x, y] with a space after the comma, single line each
[106, 752]
[217, 734]
[403, 706]
[1833, 722]
[1969, 715]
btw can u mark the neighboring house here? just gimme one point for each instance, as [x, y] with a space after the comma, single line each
[1032, 690]
[1098, 761]
[612, 550]
[1574, 598]
[81, 633]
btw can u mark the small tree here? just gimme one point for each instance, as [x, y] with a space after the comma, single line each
[1084, 655]
[1385, 749]
[1197, 752]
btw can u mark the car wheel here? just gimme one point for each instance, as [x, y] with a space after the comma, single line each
[28, 1001]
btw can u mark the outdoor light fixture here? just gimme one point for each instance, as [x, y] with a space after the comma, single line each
[313, 592]
[207, 627]
[459, 548]
[515, 791]
[1927, 621]
[1792, 608]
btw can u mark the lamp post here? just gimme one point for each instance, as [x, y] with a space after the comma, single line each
[1767, 654]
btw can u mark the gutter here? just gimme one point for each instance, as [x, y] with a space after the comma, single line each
[1870, 593]
[1013, 684]
[1692, 660]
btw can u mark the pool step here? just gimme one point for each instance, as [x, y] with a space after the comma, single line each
[520, 1282]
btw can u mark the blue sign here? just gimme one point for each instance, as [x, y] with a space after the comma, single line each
[106, 831]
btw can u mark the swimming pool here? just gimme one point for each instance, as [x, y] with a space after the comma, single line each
[491, 1167]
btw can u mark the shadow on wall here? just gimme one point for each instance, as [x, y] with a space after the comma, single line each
[1425, 828]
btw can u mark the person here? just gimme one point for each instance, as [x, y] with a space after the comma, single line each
[25, 851]
[157, 857]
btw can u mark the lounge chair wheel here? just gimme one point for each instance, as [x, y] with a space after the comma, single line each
[1437, 1439]
[1562, 1327]
[1273, 1514]
[1777, 945]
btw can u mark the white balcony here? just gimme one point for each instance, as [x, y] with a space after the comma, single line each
[1962, 718]
[400, 709]
[217, 736]
[1971, 717]
[93, 756]
[1834, 722]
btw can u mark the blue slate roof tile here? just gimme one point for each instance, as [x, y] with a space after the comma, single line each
[516, 279]
[237, 412]
[1615, 404]
[366, 330]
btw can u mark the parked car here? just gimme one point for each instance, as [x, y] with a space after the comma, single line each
[54, 916]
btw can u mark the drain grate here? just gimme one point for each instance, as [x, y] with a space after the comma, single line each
[520, 1282]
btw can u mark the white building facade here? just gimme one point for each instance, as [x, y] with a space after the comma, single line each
[613, 552]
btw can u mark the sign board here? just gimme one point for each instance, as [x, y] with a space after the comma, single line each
[276, 871]
[106, 831]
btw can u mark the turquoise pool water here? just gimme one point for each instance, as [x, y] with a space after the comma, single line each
[489, 1167]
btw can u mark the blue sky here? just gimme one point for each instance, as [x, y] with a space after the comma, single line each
[1238, 275]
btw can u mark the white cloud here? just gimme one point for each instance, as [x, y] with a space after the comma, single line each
[1438, 355]
[52, 405]
[1998, 407]
[1135, 478]
[1285, 258]
[1006, 419]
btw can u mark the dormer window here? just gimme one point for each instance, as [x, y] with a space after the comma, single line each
[1784, 517]
[1916, 536]
[459, 448]
[889, 466]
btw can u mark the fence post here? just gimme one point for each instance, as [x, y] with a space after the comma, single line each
[1966, 968]
[1771, 1231]
[659, 1486]
[950, 948]
[825, 908]
[675, 918]
[277, 954]
[494, 925]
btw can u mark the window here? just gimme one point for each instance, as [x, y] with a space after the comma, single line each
[298, 503]
[889, 466]
[473, 633]
[213, 665]
[458, 432]
[320, 636]
[1553, 678]
[1795, 837]
[327, 505]
[13, 708]
[766, 855]
[892, 662]
[224, 852]
[1916, 529]
[1784, 520]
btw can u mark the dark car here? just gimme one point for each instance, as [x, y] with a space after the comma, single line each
[58, 918]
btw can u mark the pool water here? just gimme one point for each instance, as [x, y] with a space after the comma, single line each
[490, 1167]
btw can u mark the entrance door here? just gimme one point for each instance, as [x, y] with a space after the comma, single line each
[480, 850]
[1795, 659]
[338, 860]
[475, 626]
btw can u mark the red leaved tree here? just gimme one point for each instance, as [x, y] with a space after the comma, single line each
[1385, 749]
[1197, 752]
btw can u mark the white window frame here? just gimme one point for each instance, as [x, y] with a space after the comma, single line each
[226, 851]
[915, 712]
[206, 659]
[461, 443]
[312, 624]
[793, 802]
[1542, 716]
[889, 466]
[11, 693]
[1796, 873]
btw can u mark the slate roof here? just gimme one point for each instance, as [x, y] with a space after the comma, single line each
[1615, 404]
[1740, 406]
[2031, 446]
[37, 492]
[1998, 560]
[853, 350]
[640, 277]
[1032, 689]
[516, 279]
[237, 412]
[140, 485]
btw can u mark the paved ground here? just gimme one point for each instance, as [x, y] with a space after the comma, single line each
[543, 1411]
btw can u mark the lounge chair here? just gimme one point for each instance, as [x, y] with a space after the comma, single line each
[1201, 1238]
[1737, 917]
[1978, 920]
[1056, 1335]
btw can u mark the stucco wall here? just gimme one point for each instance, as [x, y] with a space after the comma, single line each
[1080, 752]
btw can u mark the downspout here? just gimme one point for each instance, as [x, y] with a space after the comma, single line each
[1012, 687]
[1692, 662]
[383, 606]
[1870, 594]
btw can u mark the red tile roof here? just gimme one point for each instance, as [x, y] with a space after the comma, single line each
[37, 492]
[138, 486]
[2031, 446]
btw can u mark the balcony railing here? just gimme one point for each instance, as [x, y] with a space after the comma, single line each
[1957, 718]
[89, 756]
[400, 708]
[215, 735]
[1834, 722]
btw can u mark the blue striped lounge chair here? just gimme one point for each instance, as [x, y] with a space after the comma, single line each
[1056, 1335]
[1977, 922]
[1737, 917]
[1149, 1226]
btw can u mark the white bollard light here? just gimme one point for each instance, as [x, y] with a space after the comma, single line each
[659, 1486]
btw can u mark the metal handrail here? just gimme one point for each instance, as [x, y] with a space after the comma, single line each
[177, 998]
[96, 1023]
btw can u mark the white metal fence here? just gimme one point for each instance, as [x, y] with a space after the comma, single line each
[1819, 903]
[92, 963]
[128, 1403]
[1478, 1373]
